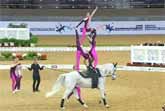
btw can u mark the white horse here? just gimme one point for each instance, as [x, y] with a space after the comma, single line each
[73, 79]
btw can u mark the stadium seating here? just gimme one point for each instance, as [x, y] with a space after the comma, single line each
[82, 3]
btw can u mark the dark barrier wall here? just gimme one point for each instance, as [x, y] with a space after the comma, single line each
[82, 3]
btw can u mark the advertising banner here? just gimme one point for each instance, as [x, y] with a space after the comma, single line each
[103, 27]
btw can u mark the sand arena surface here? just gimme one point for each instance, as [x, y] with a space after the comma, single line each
[132, 91]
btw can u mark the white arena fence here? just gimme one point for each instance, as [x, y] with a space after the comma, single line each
[148, 54]
[72, 49]
[61, 49]
[70, 67]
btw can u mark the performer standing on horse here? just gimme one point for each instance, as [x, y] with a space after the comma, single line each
[89, 57]
[92, 52]
[79, 42]
[79, 53]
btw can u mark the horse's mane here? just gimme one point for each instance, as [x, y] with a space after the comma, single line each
[107, 68]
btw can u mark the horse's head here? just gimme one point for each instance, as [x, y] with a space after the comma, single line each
[109, 70]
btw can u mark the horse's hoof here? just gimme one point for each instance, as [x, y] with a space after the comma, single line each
[62, 108]
[67, 100]
[113, 77]
[100, 102]
[47, 95]
[107, 106]
[85, 106]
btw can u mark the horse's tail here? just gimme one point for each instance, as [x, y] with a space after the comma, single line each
[56, 87]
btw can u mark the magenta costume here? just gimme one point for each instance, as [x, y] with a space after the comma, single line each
[13, 77]
[92, 51]
[85, 28]
[79, 52]
[16, 78]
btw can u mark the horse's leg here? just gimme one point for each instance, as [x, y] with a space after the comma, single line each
[70, 85]
[66, 94]
[78, 91]
[102, 92]
[75, 92]
[69, 95]
[62, 104]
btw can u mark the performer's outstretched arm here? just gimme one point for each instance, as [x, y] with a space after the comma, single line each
[80, 23]
[93, 12]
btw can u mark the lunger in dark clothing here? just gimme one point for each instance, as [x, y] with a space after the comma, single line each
[36, 76]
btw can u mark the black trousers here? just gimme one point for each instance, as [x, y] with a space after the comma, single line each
[36, 83]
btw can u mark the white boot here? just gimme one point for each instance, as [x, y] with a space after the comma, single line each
[85, 106]
[14, 91]
[107, 106]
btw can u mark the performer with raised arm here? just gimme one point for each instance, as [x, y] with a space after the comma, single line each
[15, 75]
[86, 22]
[36, 76]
